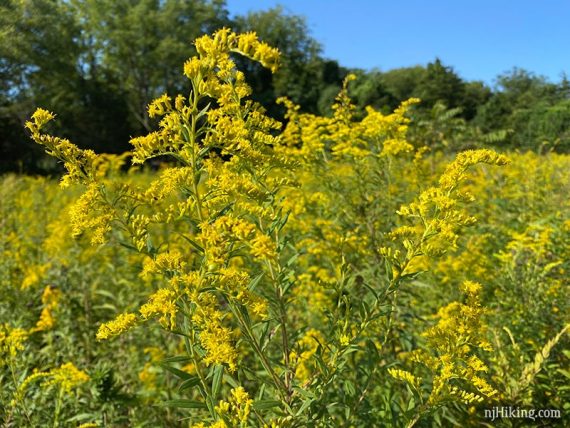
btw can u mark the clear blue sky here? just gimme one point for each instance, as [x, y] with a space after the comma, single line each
[479, 39]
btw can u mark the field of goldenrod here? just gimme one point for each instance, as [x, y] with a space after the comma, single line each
[326, 272]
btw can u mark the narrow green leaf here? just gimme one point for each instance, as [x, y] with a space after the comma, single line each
[304, 406]
[184, 404]
[177, 359]
[177, 372]
[266, 404]
[194, 244]
[221, 212]
[129, 246]
[203, 111]
[217, 380]
[231, 381]
[189, 383]
[253, 283]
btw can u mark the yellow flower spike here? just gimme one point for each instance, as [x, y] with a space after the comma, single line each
[217, 341]
[405, 376]
[160, 106]
[116, 327]
[39, 119]
[11, 342]
[21, 391]
[472, 289]
[67, 376]
[263, 247]
[455, 171]
[50, 300]
[161, 304]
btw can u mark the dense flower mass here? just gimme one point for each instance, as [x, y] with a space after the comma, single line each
[119, 325]
[325, 271]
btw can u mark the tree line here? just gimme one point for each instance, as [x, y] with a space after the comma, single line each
[97, 63]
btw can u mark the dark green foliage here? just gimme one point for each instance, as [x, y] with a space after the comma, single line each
[303, 75]
[99, 63]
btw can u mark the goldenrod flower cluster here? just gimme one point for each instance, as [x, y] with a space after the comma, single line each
[235, 411]
[50, 300]
[300, 262]
[66, 377]
[11, 342]
[119, 325]
[449, 353]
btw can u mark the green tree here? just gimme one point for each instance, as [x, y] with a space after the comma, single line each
[141, 43]
[41, 65]
[97, 63]
[476, 95]
[303, 74]
[533, 108]
[369, 89]
[441, 83]
[403, 83]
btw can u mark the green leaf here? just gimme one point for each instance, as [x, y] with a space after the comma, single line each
[292, 259]
[203, 152]
[184, 404]
[180, 332]
[261, 392]
[565, 373]
[185, 133]
[411, 404]
[217, 380]
[149, 246]
[194, 244]
[349, 388]
[232, 382]
[106, 293]
[253, 283]
[221, 212]
[304, 406]
[82, 417]
[129, 246]
[266, 404]
[177, 372]
[177, 359]
[189, 383]
[203, 111]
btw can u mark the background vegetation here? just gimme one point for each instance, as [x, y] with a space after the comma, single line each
[340, 254]
[99, 63]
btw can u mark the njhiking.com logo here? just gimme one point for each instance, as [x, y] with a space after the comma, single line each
[510, 412]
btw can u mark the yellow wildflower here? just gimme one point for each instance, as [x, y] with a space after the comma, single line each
[263, 247]
[163, 304]
[67, 377]
[11, 342]
[119, 325]
[50, 300]
[405, 376]
[238, 408]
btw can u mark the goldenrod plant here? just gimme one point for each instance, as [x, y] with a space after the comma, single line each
[322, 272]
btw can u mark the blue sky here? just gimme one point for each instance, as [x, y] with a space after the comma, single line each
[479, 39]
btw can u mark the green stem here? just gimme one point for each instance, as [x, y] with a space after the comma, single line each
[194, 148]
[58, 407]
[251, 337]
[190, 351]
[284, 333]
[23, 402]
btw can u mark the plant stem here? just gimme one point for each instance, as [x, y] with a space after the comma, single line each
[58, 407]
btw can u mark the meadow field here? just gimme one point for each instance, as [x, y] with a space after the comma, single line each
[231, 270]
